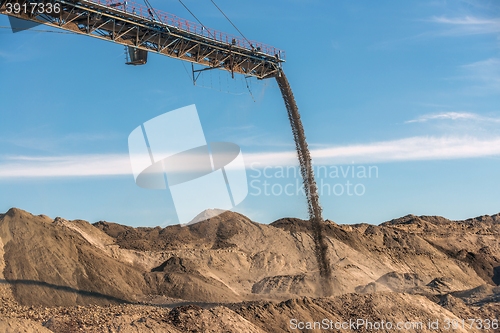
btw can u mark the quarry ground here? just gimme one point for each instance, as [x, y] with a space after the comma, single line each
[230, 274]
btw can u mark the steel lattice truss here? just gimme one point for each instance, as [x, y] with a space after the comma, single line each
[164, 34]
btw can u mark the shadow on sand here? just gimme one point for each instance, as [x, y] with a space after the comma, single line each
[65, 289]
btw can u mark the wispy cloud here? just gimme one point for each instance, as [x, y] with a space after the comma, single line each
[407, 149]
[486, 73]
[65, 166]
[447, 26]
[247, 136]
[51, 143]
[8, 56]
[468, 25]
[453, 116]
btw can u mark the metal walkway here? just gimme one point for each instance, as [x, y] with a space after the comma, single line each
[134, 25]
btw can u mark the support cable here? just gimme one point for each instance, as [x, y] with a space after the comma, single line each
[190, 12]
[220, 10]
[249, 90]
[152, 10]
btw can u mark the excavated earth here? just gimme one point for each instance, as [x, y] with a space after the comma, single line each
[230, 274]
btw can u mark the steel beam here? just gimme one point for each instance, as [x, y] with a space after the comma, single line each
[100, 20]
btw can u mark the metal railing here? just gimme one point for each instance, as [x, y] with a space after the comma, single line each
[191, 27]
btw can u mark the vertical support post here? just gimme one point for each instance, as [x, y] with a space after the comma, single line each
[192, 71]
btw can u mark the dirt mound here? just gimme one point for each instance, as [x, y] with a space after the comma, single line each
[475, 295]
[485, 219]
[388, 307]
[372, 287]
[211, 233]
[445, 265]
[179, 278]
[217, 319]
[444, 285]
[401, 282]
[412, 219]
[176, 265]
[484, 262]
[292, 225]
[256, 316]
[14, 325]
[285, 284]
[49, 265]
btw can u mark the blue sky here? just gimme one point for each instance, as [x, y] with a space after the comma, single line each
[409, 90]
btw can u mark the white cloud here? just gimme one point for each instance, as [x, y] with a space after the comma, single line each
[445, 115]
[486, 73]
[49, 143]
[453, 116]
[65, 166]
[407, 149]
[469, 25]
[483, 65]
[483, 77]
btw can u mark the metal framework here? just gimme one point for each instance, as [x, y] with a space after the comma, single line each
[140, 27]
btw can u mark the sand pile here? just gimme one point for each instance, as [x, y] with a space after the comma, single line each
[238, 274]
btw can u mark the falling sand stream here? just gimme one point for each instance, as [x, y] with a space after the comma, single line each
[310, 186]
